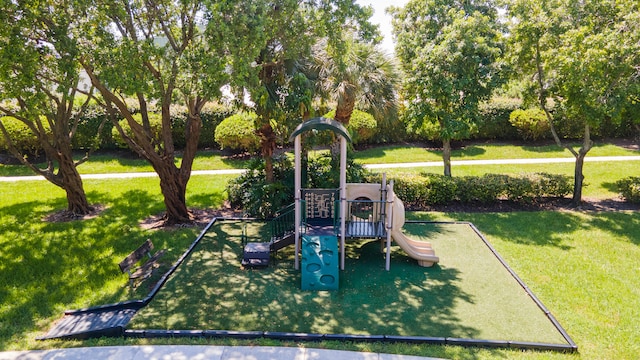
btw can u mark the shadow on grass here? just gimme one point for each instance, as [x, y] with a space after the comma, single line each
[465, 151]
[211, 291]
[48, 267]
[622, 225]
[542, 228]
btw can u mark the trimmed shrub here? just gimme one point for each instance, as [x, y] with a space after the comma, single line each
[483, 189]
[532, 124]
[21, 136]
[430, 189]
[238, 132]
[155, 121]
[362, 126]
[629, 189]
[87, 135]
[212, 115]
[493, 122]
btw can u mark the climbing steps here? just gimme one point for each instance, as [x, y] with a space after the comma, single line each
[319, 262]
[257, 254]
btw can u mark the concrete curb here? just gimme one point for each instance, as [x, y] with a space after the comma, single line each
[184, 352]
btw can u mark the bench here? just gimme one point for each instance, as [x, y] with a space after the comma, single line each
[143, 271]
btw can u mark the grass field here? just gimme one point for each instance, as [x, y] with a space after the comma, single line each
[582, 265]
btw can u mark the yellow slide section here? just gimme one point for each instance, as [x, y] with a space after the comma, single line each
[419, 250]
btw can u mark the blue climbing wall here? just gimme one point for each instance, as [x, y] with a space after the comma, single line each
[319, 262]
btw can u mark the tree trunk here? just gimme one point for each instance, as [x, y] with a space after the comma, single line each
[267, 144]
[174, 190]
[446, 156]
[345, 107]
[578, 181]
[72, 184]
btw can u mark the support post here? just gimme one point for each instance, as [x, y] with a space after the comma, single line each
[343, 197]
[389, 204]
[297, 190]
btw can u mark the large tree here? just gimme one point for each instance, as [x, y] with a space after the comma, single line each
[450, 52]
[39, 75]
[581, 56]
[160, 52]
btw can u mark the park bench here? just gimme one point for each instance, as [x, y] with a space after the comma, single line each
[139, 273]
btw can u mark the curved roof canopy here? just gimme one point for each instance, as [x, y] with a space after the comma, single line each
[321, 123]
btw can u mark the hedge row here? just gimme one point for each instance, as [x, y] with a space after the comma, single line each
[500, 119]
[629, 189]
[420, 191]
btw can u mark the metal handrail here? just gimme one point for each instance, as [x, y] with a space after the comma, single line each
[284, 222]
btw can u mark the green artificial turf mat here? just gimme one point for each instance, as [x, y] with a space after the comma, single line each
[468, 295]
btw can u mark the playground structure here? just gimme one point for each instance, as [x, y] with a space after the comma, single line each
[321, 217]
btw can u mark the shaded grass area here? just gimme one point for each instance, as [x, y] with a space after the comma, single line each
[469, 295]
[46, 268]
[582, 265]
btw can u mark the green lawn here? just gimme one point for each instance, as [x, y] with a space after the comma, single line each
[124, 162]
[102, 163]
[412, 153]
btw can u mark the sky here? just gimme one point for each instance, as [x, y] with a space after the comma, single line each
[381, 18]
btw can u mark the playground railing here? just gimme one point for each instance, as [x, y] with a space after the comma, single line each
[364, 218]
[284, 222]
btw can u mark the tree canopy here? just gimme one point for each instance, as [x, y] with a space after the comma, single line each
[450, 52]
[39, 76]
[585, 56]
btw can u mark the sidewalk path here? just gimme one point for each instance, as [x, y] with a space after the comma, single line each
[368, 166]
[184, 352]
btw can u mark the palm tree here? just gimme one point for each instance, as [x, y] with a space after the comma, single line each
[361, 75]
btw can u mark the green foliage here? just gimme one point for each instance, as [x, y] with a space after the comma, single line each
[450, 56]
[532, 124]
[155, 122]
[323, 172]
[212, 114]
[362, 126]
[87, 135]
[629, 189]
[493, 120]
[21, 136]
[251, 192]
[257, 198]
[420, 191]
[238, 132]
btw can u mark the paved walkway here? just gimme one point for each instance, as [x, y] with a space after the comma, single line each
[368, 166]
[200, 352]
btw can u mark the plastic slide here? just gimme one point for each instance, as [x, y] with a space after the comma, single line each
[419, 250]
